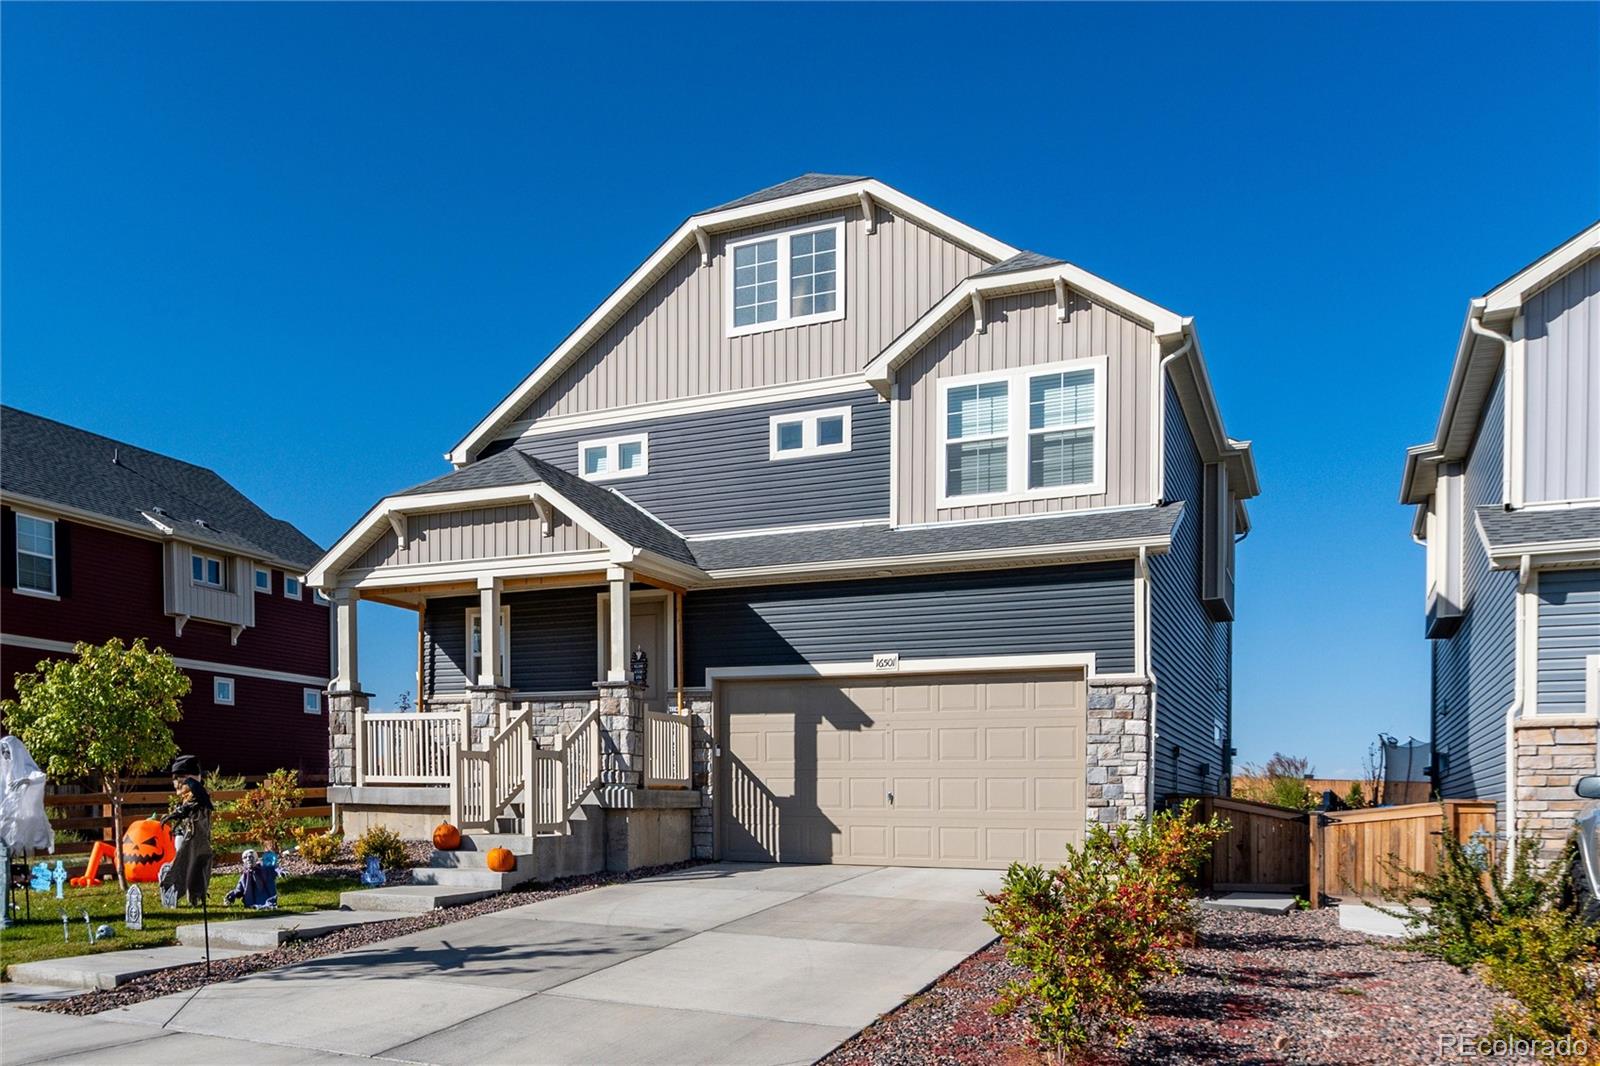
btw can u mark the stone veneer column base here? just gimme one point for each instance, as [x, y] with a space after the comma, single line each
[1117, 766]
[342, 735]
[703, 741]
[1551, 755]
[485, 701]
[621, 733]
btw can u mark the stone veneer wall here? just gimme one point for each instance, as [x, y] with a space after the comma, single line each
[703, 711]
[342, 735]
[1117, 767]
[1551, 756]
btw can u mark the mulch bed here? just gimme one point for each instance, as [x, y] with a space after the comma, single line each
[1256, 989]
[188, 977]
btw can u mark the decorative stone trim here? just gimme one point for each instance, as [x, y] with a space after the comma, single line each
[342, 735]
[621, 733]
[1551, 756]
[1117, 764]
[702, 825]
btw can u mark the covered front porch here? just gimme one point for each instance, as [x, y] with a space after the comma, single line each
[548, 667]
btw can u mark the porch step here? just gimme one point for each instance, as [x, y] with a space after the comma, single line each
[270, 931]
[477, 860]
[481, 842]
[412, 899]
[479, 878]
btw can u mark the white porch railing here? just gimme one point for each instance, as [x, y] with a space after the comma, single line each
[548, 783]
[580, 755]
[667, 755]
[408, 748]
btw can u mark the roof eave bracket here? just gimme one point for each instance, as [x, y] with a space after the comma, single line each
[1061, 299]
[869, 212]
[397, 522]
[703, 239]
[978, 324]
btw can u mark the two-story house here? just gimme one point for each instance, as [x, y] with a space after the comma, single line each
[103, 539]
[931, 536]
[1507, 498]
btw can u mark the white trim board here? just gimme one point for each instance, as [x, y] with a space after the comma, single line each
[959, 664]
[226, 669]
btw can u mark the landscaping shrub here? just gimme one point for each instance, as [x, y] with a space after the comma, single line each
[318, 848]
[1282, 783]
[1355, 799]
[383, 842]
[265, 815]
[1094, 931]
[1546, 962]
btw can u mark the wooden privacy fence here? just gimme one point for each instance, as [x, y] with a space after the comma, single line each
[1343, 853]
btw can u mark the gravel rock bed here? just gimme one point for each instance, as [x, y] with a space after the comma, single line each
[188, 977]
[1256, 989]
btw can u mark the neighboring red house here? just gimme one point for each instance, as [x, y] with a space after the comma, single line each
[102, 539]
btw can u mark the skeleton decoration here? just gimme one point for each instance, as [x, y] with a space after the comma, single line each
[133, 909]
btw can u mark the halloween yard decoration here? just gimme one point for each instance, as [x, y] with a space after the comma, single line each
[24, 829]
[191, 868]
[373, 876]
[133, 909]
[500, 860]
[258, 883]
[101, 852]
[446, 837]
[146, 847]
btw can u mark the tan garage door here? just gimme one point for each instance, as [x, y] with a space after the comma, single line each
[975, 770]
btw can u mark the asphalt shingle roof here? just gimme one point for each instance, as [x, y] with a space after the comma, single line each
[1018, 262]
[804, 183]
[881, 542]
[1556, 526]
[71, 467]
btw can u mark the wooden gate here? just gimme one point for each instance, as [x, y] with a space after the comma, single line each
[1265, 849]
[1360, 853]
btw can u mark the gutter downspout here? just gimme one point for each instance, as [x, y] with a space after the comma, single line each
[1513, 395]
[1141, 570]
[1513, 713]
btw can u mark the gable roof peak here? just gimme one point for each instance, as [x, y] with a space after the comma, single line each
[810, 181]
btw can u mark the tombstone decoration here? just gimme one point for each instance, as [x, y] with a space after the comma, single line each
[41, 877]
[373, 875]
[133, 909]
[639, 666]
[59, 876]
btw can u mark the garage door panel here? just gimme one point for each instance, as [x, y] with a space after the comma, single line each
[985, 769]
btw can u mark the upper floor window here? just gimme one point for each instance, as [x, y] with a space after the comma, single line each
[812, 433]
[263, 579]
[786, 279]
[291, 587]
[311, 700]
[1024, 433]
[222, 691]
[206, 570]
[36, 555]
[613, 457]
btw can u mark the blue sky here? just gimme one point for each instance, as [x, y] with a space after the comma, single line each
[309, 246]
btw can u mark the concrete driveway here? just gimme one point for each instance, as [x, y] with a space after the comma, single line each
[726, 963]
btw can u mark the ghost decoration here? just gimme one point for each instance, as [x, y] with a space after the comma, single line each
[373, 875]
[23, 825]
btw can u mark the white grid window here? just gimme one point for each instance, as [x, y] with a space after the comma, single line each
[206, 570]
[786, 279]
[1028, 433]
[36, 555]
[812, 433]
[614, 457]
[222, 691]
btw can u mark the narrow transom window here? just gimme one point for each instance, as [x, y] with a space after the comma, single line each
[36, 555]
[812, 433]
[786, 279]
[222, 691]
[205, 570]
[1024, 433]
[614, 457]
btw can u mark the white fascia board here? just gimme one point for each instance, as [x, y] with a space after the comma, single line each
[1084, 660]
[150, 529]
[683, 239]
[1508, 296]
[880, 372]
[1545, 554]
[1237, 454]
[470, 570]
[979, 560]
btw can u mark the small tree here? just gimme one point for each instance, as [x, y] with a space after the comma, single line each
[266, 813]
[1372, 775]
[105, 714]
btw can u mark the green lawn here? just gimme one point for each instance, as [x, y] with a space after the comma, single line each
[40, 938]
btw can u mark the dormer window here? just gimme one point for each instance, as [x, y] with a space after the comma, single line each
[786, 279]
[614, 457]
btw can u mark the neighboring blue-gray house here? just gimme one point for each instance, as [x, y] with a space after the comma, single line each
[1508, 505]
[932, 537]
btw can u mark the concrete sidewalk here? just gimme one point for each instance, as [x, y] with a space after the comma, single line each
[722, 963]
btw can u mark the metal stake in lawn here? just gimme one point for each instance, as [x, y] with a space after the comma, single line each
[205, 927]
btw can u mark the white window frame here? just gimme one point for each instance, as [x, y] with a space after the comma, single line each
[216, 693]
[1017, 434]
[255, 579]
[785, 299]
[808, 422]
[308, 696]
[613, 445]
[473, 666]
[299, 589]
[54, 591]
[205, 561]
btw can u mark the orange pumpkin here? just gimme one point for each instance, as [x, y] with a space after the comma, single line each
[500, 860]
[446, 837]
[146, 847]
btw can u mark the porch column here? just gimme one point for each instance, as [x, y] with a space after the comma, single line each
[621, 580]
[491, 671]
[346, 676]
[346, 702]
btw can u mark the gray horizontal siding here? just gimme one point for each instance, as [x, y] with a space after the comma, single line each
[712, 471]
[1474, 671]
[1569, 632]
[1562, 326]
[1004, 612]
[554, 641]
[1190, 653]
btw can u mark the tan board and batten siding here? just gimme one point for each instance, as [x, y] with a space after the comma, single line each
[1022, 330]
[984, 769]
[673, 343]
[479, 533]
[234, 604]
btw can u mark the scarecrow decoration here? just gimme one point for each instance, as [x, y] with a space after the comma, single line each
[190, 871]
